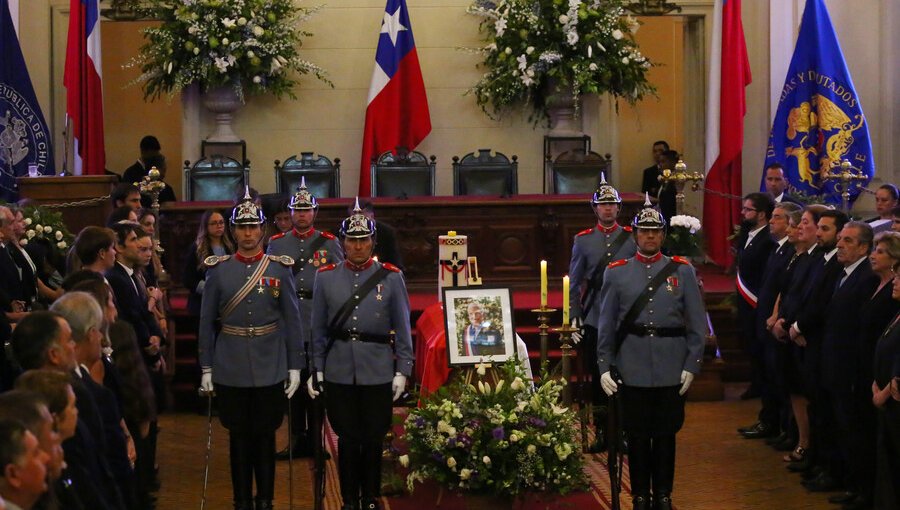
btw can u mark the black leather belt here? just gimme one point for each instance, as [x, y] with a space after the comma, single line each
[645, 330]
[304, 294]
[350, 336]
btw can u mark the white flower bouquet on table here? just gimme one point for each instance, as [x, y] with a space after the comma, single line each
[250, 44]
[578, 47]
[46, 224]
[504, 439]
[684, 237]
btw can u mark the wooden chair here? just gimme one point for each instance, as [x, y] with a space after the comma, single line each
[403, 173]
[215, 178]
[323, 177]
[575, 171]
[485, 174]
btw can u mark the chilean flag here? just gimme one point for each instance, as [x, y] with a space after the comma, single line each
[84, 87]
[397, 111]
[729, 74]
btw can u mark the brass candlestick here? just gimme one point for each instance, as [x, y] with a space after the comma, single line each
[565, 343]
[680, 177]
[847, 175]
[543, 317]
[153, 185]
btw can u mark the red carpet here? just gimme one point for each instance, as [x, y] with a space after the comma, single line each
[426, 495]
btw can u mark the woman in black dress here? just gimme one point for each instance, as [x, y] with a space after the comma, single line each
[212, 239]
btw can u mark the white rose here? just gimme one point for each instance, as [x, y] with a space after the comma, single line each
[242, 21]
[257, 79]
[451, 462]
[465, 473]
[251, 54]
[30, 234]
[531, 448]
[625, 60]
[48, 229]
[513, 438]
[404, 459]
[225, 41]
[563, 19]
[38, 227]
[61, 245]
[258, 31]
[592, 67]
[529, 50]
[486, 460]
[27, 221]
[196, 50]
[617, 34]
[508, 50]
[59, 235]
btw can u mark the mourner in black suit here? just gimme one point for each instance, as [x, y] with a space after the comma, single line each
[775, 406]
[753, 248]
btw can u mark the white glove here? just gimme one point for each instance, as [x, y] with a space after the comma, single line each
[311, 384]
[576, 335]
[398, 385]
[686, 379]
[206, 384]
[292, 383]
[608, 384]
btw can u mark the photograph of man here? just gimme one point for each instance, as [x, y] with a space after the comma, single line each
[479, 338]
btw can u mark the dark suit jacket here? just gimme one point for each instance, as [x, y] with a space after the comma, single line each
[133, 307]
[486, 343]
[650, 184]
[773, 275]
[28, 280]
[841, 346]
[134, 173]
[820, 283]
[386, 247]
[10, 283]
[792, 286]
[874, 317]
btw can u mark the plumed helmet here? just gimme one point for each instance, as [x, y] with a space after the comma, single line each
[247, 212]
[605, 193]
[649, 217]
[303, 199]
[357, 225]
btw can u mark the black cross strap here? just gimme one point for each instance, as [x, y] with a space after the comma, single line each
[337, 323]
[640, 303]
[596, 280]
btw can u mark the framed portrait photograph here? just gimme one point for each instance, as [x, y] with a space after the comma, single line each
[479, 325]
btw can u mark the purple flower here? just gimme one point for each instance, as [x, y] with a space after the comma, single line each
[437, 456]
[420, 422]
[537, 422]
[499, 434]
[451, 442]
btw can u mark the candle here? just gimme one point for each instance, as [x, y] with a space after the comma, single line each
[565, 300]
[543, 284]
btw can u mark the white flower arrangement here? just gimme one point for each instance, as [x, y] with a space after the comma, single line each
[250, 44]
[43, 223]
[581, 47]
[684, 236]
[689, 222]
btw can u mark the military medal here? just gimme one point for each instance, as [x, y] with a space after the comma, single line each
[276, 287]
[378, 289]
[671, 282]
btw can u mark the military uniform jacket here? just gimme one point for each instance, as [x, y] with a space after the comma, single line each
[590, 247]
[306, 263]
[250, 361]
[652, 361]
[384, 309]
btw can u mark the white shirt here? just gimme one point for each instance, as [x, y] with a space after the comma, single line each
[782, 241]
[779, 198]
[830, 254]
[130, 273]
[849, 269]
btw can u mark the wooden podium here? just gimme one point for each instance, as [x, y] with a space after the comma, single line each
[52, 189]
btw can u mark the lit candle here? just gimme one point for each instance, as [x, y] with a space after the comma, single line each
[543, 284]
[565, 300]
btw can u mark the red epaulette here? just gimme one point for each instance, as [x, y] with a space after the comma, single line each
[326, 234]
[681, 260]
[391, 267]
[277, 236]
[585, 232]
[617, 263]
[627, 228]
[329, 267]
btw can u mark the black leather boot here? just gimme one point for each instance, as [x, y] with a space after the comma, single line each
[662, 502]
[263, 504]
[348, 471]
[243, 505]
[241, 460]
[641, 502]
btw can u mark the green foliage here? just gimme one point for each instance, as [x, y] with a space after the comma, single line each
[540, 47]
[250, 44]
[505, 439]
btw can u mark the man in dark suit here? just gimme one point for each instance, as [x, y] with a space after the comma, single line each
[753, 248]
[149, 147]
[776, 184]
[775, 405]
[840, 361]
[131, 294]
[479, 338]
[665, 193]
[650, 182]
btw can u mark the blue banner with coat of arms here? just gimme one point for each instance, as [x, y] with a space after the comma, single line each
[819, 119]
[24, 137]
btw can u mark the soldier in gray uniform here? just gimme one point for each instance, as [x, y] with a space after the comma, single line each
[362, 349]
[310, 249]
[592, 251]
[653, 328]
[256, 355]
